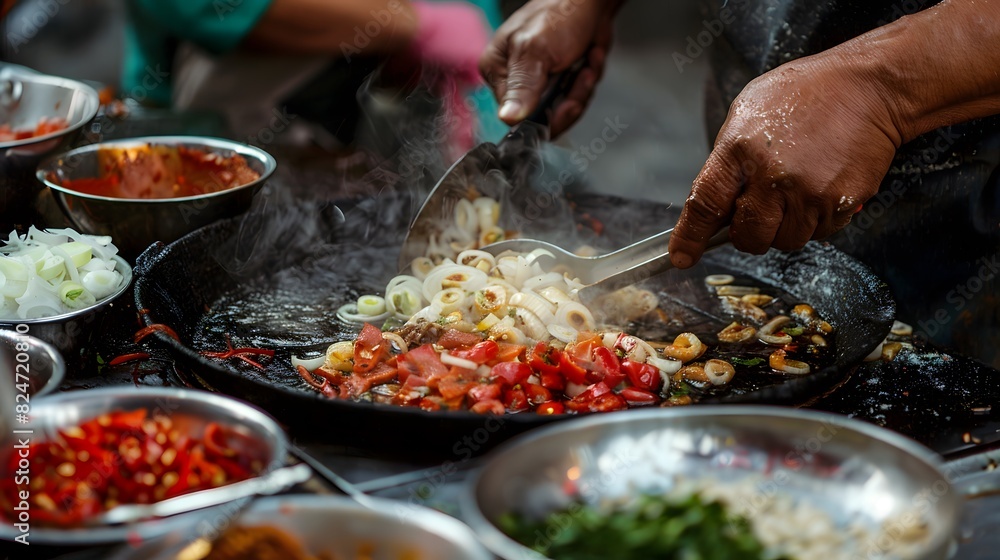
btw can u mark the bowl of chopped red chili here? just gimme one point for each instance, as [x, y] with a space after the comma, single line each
[156, 188]
[85, 452]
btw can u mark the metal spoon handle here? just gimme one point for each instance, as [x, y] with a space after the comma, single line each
[270, 483]
[637, 262]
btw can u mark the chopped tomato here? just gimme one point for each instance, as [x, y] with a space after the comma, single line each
[515, 399]
[638, 397]
[485, 391]
[571, 369]
[429, 404]
[422, 361]
[453, 338]
[544, 358]
[360, 383]
[584, 347]
[608, 403]
[454, 386]
[536, 393]
[508, 352]
[369, 349]
[592, 392]
[643, 376]
[550, 408]
[553, 380]
[606, 367]
[511, 373]
[481, 353]
[489, 406]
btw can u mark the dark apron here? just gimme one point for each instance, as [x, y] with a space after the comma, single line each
[933, 231]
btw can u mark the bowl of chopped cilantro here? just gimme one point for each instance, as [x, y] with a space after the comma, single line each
[716, 483]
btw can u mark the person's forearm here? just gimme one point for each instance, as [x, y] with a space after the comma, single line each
[938, 67]
[325, 26]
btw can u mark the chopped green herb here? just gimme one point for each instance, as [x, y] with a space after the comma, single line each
[682, 390]
[794, 331]
[749, 362]
[652, 527]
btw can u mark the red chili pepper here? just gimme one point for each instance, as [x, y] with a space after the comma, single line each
[215, 441]
[155, 327]
[643, 376]
[124, 358]
[639, 397]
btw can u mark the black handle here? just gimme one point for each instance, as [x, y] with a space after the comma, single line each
[561, 84]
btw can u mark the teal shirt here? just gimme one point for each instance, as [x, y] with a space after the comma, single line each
[156, 27]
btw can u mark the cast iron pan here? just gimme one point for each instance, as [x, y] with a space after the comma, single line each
[275, 277]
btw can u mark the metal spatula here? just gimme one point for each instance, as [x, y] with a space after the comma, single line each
[513, 156]
[604, 273]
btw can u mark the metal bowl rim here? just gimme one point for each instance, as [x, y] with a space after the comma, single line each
[61, 82]
[126, 271]
[55, 358]
[505, 547]
[227, 406]
[428, 520]
[245, 150]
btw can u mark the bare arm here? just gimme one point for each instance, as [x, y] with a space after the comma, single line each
[805, 144]
[330, 26]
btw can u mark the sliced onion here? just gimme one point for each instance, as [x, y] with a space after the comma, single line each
[766, 333]
[537, 305]
[349, 314]
[574, 389]
[665, 365]
[719, 279]
[371, 305]
[575, 315]
[530, 324]
[466, 217]
[450, 300]
[311, 364]
[563, 333]
[546, 280]
[453, 276]
[421, 267]
[474, 257]
[450, 360]
[101, 283]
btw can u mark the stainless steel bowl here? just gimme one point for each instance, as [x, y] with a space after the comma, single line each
[38, 361]
[342, 528]
[65, 331]
[25, 97]
[854, 472]
[73, 408]
[134, 224]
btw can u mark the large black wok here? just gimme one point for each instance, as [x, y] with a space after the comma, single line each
[275, 277]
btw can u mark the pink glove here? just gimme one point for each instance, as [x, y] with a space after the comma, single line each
[450, 38]
[452, 35]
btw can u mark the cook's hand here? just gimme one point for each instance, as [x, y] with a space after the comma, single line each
[803, 147]
[542, 38]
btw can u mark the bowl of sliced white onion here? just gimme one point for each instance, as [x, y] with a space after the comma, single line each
[53, 282]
